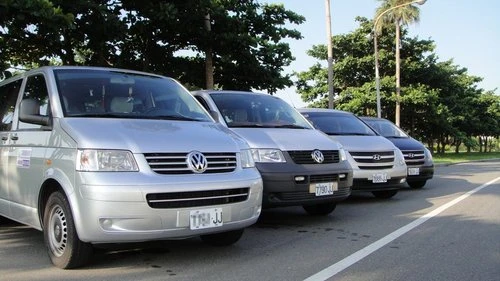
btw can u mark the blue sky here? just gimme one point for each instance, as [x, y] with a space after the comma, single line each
[467, 31]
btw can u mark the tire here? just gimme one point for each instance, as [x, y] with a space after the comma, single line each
[320, 209]
[384, 194]
[417, 184]
[224, 238]
[64, 247]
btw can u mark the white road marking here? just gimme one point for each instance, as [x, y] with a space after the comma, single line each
[359, 255]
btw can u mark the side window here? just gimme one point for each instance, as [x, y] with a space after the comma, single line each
[8, 98]
[36, 89]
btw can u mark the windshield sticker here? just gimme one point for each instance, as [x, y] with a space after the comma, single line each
[24, 158]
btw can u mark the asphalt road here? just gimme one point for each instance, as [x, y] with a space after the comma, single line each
[449, 230]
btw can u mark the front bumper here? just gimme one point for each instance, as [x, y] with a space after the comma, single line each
[116, 210]
[363, 179]
[425, 173]
[281, 187]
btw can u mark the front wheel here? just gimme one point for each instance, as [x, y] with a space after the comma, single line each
[416, 184]
[64, 247]
[384, 194]
[320, 209]
[224, 238]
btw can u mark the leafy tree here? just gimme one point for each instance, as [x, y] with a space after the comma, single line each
[439, 100]
[245, 39]
[27, 29]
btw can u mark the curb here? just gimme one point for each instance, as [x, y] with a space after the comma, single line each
[481, 160]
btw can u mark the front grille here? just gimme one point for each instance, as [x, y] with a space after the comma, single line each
[197, 198]
[304, 195]
[373, 160]
[323, 178]
[304, 156]
[414, 157]
[176, 164]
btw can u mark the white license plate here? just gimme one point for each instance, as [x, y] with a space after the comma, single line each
[378, 178]
[323, 188]
[413, 171]
[205, 218]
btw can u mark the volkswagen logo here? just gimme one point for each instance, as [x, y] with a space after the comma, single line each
[317, 156]
[197, 162]
[376, 157]
[411, 155]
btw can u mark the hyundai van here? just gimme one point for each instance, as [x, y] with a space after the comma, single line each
[418, 158]
[299, 165]
[101, 155]
[378, 165]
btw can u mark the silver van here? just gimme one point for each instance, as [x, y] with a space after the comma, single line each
[102, 155]
[378, 165]
[300, 166]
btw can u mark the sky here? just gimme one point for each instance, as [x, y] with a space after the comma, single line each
[467, 31]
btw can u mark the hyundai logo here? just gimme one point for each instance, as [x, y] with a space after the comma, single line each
[317, 156]
[411, 155]
[197, 162]
[376, 157]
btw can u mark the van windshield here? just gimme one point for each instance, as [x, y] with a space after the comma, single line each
[339, 124]
[120, 94]
[246, 110]
[386, 128]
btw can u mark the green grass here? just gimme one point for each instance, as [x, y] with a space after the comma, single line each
[450, 158]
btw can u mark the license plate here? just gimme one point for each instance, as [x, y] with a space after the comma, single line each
[378, 178]
[323, 188]
[413, 171]
[205, 218]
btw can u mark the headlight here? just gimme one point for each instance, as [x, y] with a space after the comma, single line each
[399, 159]
[342, 155]
[268, 155]
[428, 154]
[246, 159]
[91, 160]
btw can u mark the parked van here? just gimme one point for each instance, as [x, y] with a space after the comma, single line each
[102, 155]
[418, 158]
[378, 165]
[300, 166]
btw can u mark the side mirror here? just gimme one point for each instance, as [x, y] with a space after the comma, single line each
[29, 112]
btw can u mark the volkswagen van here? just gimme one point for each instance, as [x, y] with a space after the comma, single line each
[299, 165]
[101, 155]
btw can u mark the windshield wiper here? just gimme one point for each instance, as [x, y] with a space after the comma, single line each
[104, 115]
[357, 134]
[347, 134]
[289, 126]
[171, 117]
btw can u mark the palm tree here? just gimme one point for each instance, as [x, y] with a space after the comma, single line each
[399, 12]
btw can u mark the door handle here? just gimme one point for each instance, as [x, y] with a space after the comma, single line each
[4, 138]
[14, 137]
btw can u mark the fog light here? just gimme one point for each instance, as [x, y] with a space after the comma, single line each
[106, 223]
[341, 176]
[402, 180]
[300, 178]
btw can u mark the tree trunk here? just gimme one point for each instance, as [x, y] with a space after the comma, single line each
[398, 86]
[457, 146]
[209, 68]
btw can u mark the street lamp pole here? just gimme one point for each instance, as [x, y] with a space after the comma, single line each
[375, 47]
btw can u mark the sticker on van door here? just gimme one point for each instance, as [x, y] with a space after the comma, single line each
[24, 158]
